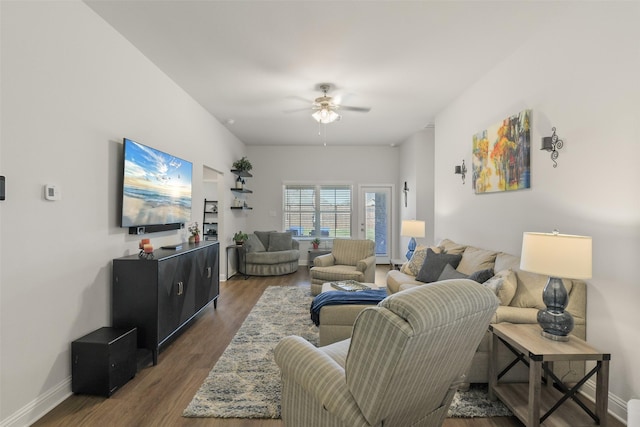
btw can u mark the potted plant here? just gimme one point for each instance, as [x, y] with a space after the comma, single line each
[194, 231]
[243, 165]
[240, 237]
[315, 242]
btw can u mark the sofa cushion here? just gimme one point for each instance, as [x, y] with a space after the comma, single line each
[451, 273]
[280, 241]
[475, 259]
[434, 264]
[412, 267]
[505, 261]
[271, 258]
[530, 287]
[396, 279]
[264, 237]
[481, 276]
[451, 247]
[253, 244]
[504, 284]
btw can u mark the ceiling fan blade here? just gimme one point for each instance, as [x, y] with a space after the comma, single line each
[358, 109]
[299, 98]
[297, 110]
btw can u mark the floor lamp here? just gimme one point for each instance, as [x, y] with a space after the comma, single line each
[412, 228]
[556, 255]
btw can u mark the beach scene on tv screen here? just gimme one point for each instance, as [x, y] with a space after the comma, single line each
[157, 187]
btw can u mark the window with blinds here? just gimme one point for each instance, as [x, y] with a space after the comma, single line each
[317, 210]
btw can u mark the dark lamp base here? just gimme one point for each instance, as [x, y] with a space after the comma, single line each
[556, 323]
[554, 337]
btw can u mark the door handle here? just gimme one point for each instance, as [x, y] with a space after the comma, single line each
[208, 272]
[180, 288]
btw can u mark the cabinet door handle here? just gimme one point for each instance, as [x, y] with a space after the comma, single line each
[180, 288]
[208, 272]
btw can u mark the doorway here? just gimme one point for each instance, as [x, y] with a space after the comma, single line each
[375, 219]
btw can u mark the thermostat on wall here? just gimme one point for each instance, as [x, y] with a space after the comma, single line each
[52, 192]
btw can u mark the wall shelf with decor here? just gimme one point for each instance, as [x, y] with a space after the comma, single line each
[240, 189]
[210, 220]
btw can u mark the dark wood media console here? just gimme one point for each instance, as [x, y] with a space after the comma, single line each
[160, 296]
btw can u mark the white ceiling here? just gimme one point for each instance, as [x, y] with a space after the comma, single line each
[250, 61]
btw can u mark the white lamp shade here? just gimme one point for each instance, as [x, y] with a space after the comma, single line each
[412, 228]
[557, 255]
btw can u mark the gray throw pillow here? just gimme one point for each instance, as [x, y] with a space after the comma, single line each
[253, 244]
[451, 273]
[264, 237]
[434, 264]
[280, 241]
[481, 276]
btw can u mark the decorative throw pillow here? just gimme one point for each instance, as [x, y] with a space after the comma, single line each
[451, 273]
[280, 241]
[253, 244]
[504, 285]
[434, 265]
[474, 259]
[412, 267]
[481, 276]
[264, 237]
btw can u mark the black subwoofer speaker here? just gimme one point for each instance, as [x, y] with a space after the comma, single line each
[103, 361]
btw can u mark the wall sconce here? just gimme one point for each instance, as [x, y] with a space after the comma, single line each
[405, 190]
[461, 170]
[552, 144]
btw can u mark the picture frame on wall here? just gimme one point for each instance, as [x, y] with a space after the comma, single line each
[502, 155]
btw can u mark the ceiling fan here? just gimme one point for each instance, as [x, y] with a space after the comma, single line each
[324, 108]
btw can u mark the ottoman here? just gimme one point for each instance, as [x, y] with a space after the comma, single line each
[336, 321]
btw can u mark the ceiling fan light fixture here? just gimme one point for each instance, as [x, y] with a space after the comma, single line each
[325, 115]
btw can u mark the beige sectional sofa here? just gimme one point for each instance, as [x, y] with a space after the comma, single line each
[520, 295]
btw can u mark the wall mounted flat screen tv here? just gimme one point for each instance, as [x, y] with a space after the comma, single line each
[156, 188]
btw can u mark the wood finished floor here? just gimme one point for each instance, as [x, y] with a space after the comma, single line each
[158, 395]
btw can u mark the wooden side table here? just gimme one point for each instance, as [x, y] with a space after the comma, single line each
[561, 404]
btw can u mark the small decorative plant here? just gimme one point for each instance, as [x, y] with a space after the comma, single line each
[240, 237]
[315, 242]
[243, 164]
[194, 229]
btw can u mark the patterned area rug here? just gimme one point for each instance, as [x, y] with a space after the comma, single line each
[245, 382]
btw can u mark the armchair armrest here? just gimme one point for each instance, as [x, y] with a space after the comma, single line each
[321, 376]
[324, 260]
[366, 263]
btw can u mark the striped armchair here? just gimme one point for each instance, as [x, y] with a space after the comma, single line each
[401, 366]
[350, 259]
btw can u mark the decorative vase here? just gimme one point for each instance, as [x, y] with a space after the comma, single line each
[192, 239]
[315, 245]
[196, 238]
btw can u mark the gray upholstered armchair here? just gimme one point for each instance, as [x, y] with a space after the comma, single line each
[350, 259]
[401, 366]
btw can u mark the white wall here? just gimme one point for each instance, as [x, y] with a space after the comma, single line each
[581, 76]
[72, 88]
[417, 169]
[274, 166]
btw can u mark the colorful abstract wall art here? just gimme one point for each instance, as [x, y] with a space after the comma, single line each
[501, 155]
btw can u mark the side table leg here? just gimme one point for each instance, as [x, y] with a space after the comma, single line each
[493, 365]
[535, 375]
[602, 392]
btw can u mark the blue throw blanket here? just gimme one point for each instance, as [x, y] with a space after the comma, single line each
[372, 296]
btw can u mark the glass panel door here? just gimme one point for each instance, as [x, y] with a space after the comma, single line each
[375, 219]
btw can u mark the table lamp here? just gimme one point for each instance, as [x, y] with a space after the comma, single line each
[412, 228]
[558, 256]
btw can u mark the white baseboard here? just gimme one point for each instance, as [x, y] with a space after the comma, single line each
[617, 406]
[37, 408]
